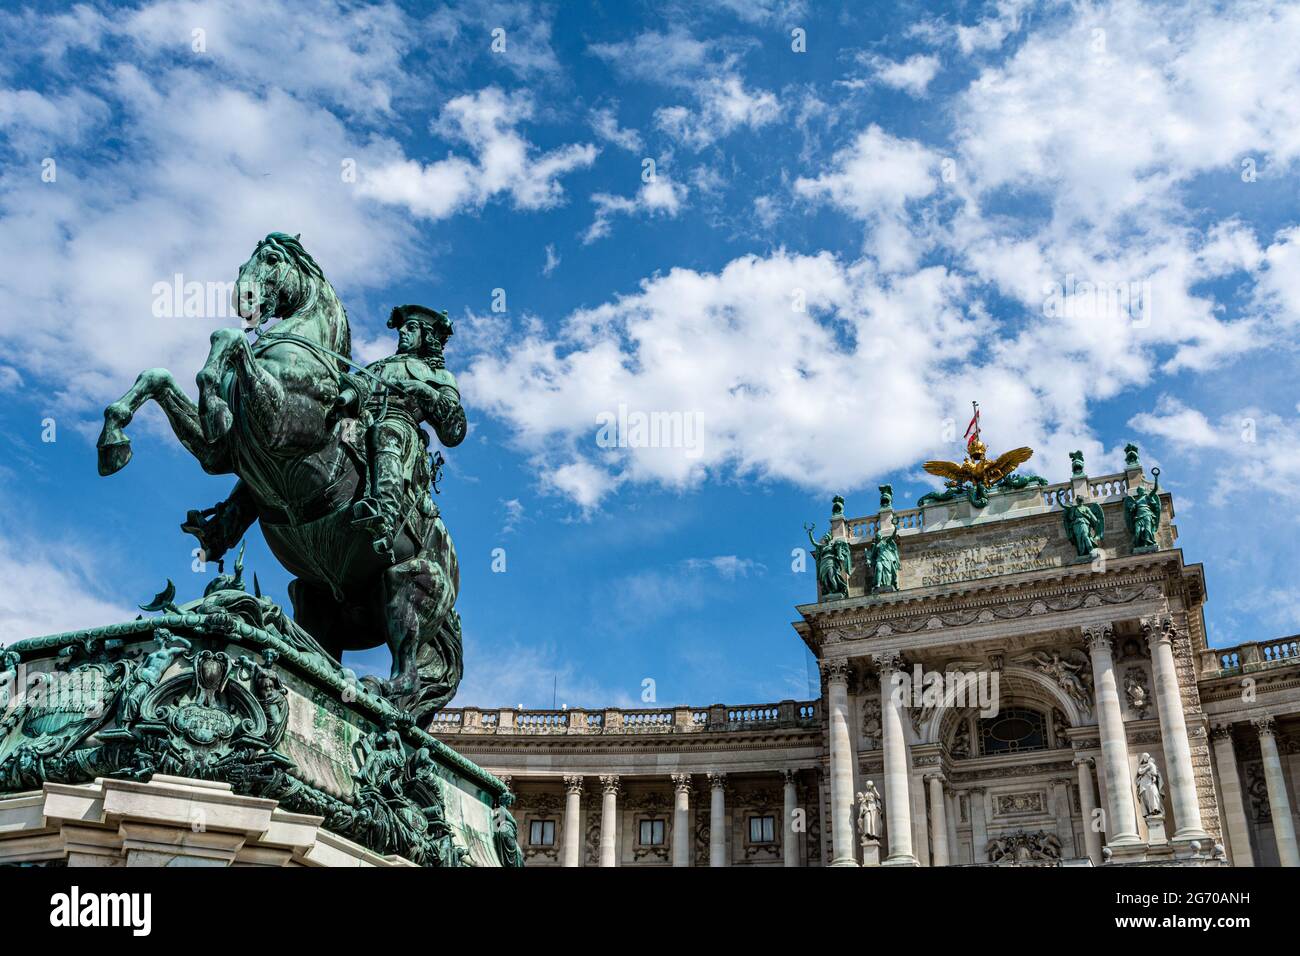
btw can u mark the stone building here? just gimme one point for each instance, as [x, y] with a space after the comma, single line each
[999, 695]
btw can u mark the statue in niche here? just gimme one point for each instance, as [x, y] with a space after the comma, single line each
[882, 555]
[1085, 525]
[1150, 787]
[869, 814]
[960, 748]
[1142, 514]
[834, 564]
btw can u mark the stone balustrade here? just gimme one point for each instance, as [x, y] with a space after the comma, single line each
[1247, 658]
[718, 718]
[1104, 488]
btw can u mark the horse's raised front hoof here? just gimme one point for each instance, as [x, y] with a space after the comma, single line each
[114, 449]
[216, 419]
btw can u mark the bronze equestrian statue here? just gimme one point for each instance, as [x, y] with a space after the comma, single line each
[331, 460]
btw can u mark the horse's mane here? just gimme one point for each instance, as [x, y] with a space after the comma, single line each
[290, 246]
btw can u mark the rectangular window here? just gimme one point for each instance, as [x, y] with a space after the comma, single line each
[652, 833]
[762, 829]
[541, 833]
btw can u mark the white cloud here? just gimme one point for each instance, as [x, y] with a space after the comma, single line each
[659, 197]
[50, 589]
[552, 259]
[912, 75]
[504, 162]
[707, 70]
[873, 180]
[604, 122]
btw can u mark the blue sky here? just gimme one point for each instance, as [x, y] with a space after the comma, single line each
[841, 246]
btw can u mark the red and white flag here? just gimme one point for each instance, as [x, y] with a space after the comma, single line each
[974, 423]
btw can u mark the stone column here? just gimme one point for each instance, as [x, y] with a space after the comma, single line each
[1278, 801]
[898, 809]
[938, 820]
[951, 812]
[1173, 731]
[572, 821]
[1234, 807]
[1064, 818]
[841, 747]
[790, 839]
[717, 819]
[609, 821]
[682, 819]
[1121, 817]
[1088, 805]
[979, 831]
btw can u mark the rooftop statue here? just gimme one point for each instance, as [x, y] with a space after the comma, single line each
[978, 472]
[1142, 514]
[331, 460]
[834, 562]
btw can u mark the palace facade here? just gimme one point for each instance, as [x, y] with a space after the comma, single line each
[1001, 701]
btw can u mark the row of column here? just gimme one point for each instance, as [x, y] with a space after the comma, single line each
[1233, 801]
[681, 829]
[1121, 816]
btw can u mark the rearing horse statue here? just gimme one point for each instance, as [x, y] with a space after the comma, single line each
[271, 412]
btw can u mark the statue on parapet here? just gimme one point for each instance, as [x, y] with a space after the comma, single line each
[1085, 525]
[1142, 514]
[834, 563]
[883, 559]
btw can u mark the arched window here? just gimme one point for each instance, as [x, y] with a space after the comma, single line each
[1012, 731]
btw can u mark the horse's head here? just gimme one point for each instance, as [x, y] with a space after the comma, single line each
[280, 280]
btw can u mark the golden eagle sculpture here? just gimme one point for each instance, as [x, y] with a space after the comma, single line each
[976, 474]
[976, 468]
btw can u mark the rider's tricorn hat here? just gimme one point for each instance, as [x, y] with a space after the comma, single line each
[435, 323]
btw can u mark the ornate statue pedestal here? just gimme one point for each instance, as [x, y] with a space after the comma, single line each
[216, 735]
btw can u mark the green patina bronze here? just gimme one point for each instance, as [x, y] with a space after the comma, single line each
[1142, 515]
[331, 459]
[884, 562]
[1085, 525]
[834, 563]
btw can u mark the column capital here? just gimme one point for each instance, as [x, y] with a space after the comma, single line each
[717, 780]
[1158, 629]
[682, 782]
[888, 661]
[836, 671]
[934, 775]
[977, 791]
[1084, 762]
[788, 777]
[1221, 731]
[1099, 636]
[1266, 725]
[573, 783]
[609, 783]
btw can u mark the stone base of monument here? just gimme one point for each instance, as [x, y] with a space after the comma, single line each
[1156, 831]
[871, 853]
[218, 735]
